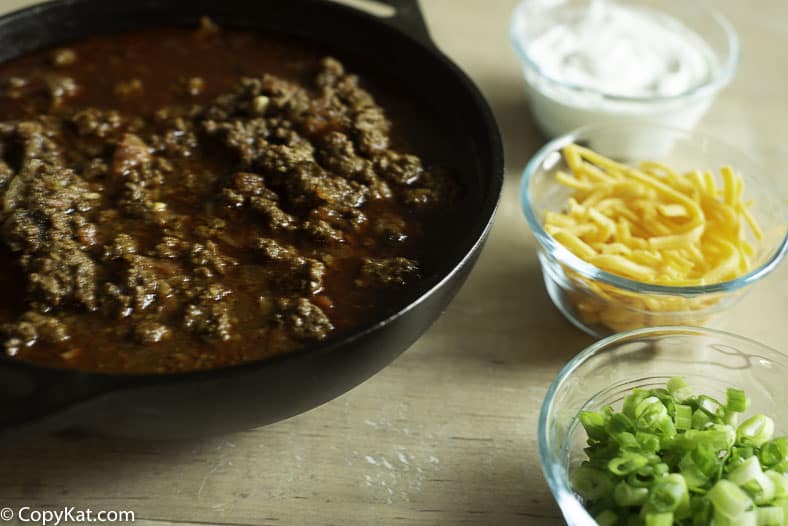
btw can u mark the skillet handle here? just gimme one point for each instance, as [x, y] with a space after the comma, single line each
[409, 18]
[30, 394]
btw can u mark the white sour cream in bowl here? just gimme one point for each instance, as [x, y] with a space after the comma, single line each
[606, 61]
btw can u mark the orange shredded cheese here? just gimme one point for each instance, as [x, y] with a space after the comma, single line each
[651, 224]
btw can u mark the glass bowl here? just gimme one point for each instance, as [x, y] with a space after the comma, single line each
[603, 374]
[601, 303]
[559, 106]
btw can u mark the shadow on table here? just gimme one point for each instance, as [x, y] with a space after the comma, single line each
[75, 469]
[495, 490]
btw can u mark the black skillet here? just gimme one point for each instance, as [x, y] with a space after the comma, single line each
[35, 399]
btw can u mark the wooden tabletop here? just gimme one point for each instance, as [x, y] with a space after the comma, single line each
[447, 433]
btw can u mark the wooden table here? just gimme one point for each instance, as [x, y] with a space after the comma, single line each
[447, 434]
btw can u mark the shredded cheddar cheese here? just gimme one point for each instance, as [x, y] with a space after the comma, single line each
[650, 224]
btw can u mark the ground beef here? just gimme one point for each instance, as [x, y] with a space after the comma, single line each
[151, 331]
[209, 315]
[274, 218]
[303, 319]
[31, 328]
[387, 272]
[204, 229]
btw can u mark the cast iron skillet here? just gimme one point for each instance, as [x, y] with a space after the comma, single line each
[35, 399]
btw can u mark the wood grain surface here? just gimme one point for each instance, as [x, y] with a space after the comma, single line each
[447, 434]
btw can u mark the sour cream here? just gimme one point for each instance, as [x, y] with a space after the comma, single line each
[611, 62]
[624, 52]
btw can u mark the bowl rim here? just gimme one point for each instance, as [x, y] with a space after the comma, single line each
[720, 78]
[553, 473]
[587, 270]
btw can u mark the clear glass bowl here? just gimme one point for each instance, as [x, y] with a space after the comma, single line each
[623, 304]
[710, 361]
[559, 107]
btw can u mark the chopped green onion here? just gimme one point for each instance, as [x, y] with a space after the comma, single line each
[659, 519]
[711, 406]
[606, 518]
[782, 467]
[627, 463]
[627, 440]
[770, 516]
[774, 451]
[632, 400]
[619, 423]
[755, 431]
[747, 518]
[700, 419]
[749, 469]
[728, 498]
[782, 503]
[648, 442]
[751, 478]
[591, 483]
[670, 457]
[678, 387]
[738, 454]
[780, 481]
[665, 495]
[594, 424]
[736, 400]
[626, 495]
[683, 417]
[702, 510]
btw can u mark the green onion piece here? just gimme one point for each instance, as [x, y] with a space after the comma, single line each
[762, 489]
[782, 503]
[648, 442]
[594, 424]
[627, 463]
[683, 417]
[738, 454]
[749, 469]
[627, 440]
[736, 400]
[731, 418]
[728, 498]
[678, 387]
[632, 400]
[711, 406]
[718, 437]
[642, 478]
[707, 458]
[626, 495]
[665, 496]
[755, 431]
[780, 481]
[659, 519]
[700, 419]
[692, 473]
[661, 469]
[770, 516]
[702, 510]
[747, 518]
[774, 451]
[606, 518]
[591, 483]
[782, 467]
[683, 510]
[619, 423]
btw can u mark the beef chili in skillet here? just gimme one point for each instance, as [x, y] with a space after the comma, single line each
[177, 199]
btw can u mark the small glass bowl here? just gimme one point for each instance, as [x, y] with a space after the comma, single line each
[601, 303]
[603, 374]
[559, 106]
